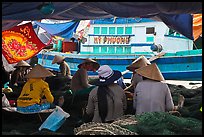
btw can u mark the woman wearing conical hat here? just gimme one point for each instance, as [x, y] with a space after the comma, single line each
[80, 83]
[138, 63]
[107, 101]
[151, 94]
[18, 75]
[64, 67]
[35, 89]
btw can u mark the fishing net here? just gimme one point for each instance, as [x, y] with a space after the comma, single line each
[93, 128]
[162, 123]
[192, 111]
[187, 93]
[192, 103]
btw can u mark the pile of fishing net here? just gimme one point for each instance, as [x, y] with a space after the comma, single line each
[163, 123]
[150, 123]
[192, 103]
[93, 128]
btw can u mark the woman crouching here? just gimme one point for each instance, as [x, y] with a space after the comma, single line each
[35, 89]
[107, 101]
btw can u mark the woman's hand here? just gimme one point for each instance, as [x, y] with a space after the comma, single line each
[43, 101]
[129, 94]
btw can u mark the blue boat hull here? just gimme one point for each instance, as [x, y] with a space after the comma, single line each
[172, 67]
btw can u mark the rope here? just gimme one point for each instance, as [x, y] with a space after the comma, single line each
[40, 117]
[194, 45]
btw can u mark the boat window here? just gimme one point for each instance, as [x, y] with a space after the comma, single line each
[111, 30]
[104, 30]
[104, 49]
[174, 33]
[111, 50]
[149, 39]
[95, 49]
[171, 32]
[127, 50]
[150, 30]
[96, 30]
[128, 30]
[177, 34]
[119, 30]
[119, 50]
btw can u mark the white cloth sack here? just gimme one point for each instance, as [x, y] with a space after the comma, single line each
[55, 120]
[5, 102]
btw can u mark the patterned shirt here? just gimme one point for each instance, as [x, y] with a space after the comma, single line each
[33, 91]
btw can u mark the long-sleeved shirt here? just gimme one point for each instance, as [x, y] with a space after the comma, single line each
[152, 96]
[80, 80]
[115, 110]
[135, 79]
[33, 91]
[64, 69]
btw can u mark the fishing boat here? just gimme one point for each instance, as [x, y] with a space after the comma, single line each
[117, 42]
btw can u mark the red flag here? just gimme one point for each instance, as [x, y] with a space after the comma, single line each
[20, 43]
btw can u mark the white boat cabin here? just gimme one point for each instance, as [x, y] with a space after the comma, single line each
[131, 36]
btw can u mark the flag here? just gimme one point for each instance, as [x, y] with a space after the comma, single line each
[197, 25]
[20, 43]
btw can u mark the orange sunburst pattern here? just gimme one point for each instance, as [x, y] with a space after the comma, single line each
[20, 43]
[197, 25]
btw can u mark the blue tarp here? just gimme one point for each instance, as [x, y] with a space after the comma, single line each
[182, 23]
[177, 15]
[120, 20]
[64, 30]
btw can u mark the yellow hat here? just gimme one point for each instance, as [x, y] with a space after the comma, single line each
[151, 71]
[57, 59]
[22, 63]
[88, 60]
[39, 72]
[139, 62]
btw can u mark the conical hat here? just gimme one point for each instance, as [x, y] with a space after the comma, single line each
[88, 60]
[22, 63]
[39, 72]
[139, 62]
[57, 59]
[151, 71]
